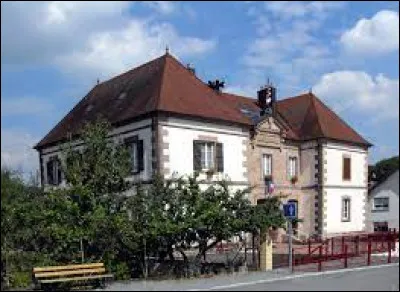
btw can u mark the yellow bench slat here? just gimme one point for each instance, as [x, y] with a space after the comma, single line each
[69, 267]
[75, 279]
[70, 272]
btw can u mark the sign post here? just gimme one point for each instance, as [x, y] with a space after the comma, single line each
[290, 245]
[290, 212]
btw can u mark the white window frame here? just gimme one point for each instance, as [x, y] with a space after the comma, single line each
[381, 206]
[292, 166]
[346, 209]
[208, 155]
[267, 164]
[134, 157]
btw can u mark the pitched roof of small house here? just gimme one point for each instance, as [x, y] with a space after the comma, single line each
[391, 182]
[165, 85]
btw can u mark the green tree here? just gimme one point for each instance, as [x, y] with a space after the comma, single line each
[384, 168]
[29, 230]
[178, 214]
[96, 176]
[101, 166]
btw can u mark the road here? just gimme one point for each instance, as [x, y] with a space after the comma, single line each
[373, 278]
[377, 279]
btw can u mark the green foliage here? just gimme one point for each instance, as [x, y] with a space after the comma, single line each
[121, 271]
[122, 231]
[266, 215]
[20, 279]
[96, 175]
[384, 168]
[101, 166]
[178, 214]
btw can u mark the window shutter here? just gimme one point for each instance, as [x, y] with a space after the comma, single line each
[220, 157]
[262, 166]
[196, 156]
[140, 154]
[346, 168]
[59, 171]
[288, 167]
[349, 168]
[49, 167]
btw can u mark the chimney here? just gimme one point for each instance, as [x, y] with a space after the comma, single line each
[266, 99]
[216, 85]
[191, 69]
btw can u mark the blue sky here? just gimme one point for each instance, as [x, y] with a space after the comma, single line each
[53, 52]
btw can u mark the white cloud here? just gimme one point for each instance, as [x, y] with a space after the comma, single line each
[99, 37]
[24, 106]
[36, 32]
[163, 7]
[377, 35]
[296, 9]
[287, 48]
[17, 152]
[376, 98]
[292, 55]
[112, 52]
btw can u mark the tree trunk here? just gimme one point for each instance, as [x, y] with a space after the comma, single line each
[185, 260]
[203, 248]
[171, 253]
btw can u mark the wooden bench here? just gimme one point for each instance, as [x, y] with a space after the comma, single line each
[53, 275]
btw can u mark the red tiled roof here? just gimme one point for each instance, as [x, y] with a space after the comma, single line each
[310, 118]
[165, 85]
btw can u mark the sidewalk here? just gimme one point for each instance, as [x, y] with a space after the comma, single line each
[196, 283]
[235, 278]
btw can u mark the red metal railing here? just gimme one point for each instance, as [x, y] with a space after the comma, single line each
[318, 250]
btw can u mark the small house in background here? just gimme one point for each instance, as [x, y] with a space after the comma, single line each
[383, 205]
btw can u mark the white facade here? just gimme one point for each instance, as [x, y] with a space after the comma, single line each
[175, 146]
[140, 128]
[388, 189]
[308, 160]
[179, 135]
[335, 189]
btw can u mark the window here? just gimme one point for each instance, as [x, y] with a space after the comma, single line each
[381, 226]
[381, 204]
[54, 173]
[346, 168]
[267, 164]
[135, 148]
[292, 167]
[346, 208]
[208, 155]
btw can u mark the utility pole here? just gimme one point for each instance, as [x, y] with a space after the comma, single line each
[145, 258]
[290, 245]
[144, 243]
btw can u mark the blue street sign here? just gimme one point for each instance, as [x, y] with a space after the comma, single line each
[289, 210]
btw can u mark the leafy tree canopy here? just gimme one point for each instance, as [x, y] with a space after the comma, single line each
[384, 168]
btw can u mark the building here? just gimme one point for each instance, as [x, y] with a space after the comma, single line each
[176, 123]
[383, 205]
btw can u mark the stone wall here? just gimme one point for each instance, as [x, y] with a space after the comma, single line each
[268, 140]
